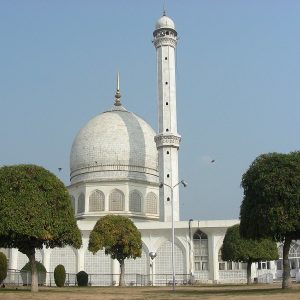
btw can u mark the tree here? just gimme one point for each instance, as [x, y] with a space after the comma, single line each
[35, 211]
[120, 238]
[271, 203]
[3, 267]
[248, 251]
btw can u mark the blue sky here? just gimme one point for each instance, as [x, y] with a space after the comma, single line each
[238, 75]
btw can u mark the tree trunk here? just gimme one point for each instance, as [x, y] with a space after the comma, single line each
[34, 274]
[122, 273]
[286, 276]
[249, 263]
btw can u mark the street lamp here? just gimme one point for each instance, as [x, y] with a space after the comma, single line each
[184, 183]
[152, 256]
[190, 247]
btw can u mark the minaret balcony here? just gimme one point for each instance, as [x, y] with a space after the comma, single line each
[167, 140]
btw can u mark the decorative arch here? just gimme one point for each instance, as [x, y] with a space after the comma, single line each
[65, 256]
[294, 256]
[163, 260]
[116, 200]
[200, 242]
[81, 203]
[135, 201]
[97, 263]
[151, 203]
[137, 266]
[96, 201]
[294, 250]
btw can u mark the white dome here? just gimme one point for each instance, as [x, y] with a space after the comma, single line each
[116, 144]
[165, 22]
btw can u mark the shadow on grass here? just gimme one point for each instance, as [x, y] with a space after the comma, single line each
[226, 292]
[162, 292]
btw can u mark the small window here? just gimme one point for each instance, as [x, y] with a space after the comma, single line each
[81, 204]
[116, 200]
[96, 201]
[168, 175]
[135, 201]
[166, 58]
[151, 203]
[167, 103]
[167, 33]
[166, 82]
[168, 199]
[279, 264]
[167, 130]
[168, 152]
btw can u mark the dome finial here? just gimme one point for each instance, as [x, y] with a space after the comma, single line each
[118, 94]
[164, 8]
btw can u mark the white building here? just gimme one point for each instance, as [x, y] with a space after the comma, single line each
[117, 163]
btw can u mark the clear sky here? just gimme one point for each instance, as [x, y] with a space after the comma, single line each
[238, 80]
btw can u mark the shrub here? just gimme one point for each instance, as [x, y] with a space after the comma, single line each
[39, 267]
[82, 278]
[59, 275]
[3, 267]
[26, 273]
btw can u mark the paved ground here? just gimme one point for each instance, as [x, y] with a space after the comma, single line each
[257, 292]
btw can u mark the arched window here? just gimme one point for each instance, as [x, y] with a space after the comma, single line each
[96, 201]
[200, 251]
[116, 201]
[73, 202]
[221, 261]
[81, 203]
[151, 203]
[294, 250]
[135, 201]
[294, 256]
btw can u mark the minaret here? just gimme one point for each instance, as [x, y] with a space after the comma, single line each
[167, 140]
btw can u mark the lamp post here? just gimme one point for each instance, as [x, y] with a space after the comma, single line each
[190, 247]
[152, 256]
[173, 231]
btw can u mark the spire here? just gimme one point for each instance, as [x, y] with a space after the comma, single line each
[164, 9]
[118, 94]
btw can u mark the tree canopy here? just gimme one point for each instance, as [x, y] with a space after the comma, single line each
[35, 211]
[119, 237]
[271, 203]
[248, 251]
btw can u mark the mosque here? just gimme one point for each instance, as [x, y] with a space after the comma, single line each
[120, 165]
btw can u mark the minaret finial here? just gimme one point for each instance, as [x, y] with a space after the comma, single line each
[118, 94]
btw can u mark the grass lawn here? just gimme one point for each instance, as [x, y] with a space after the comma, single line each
[259, 292]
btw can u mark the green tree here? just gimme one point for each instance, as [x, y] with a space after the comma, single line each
[248, 251]
[119, 237]
[3, 267]
[271, 204]
[35, 211]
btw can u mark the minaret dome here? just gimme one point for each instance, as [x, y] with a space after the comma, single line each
[164, 22]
